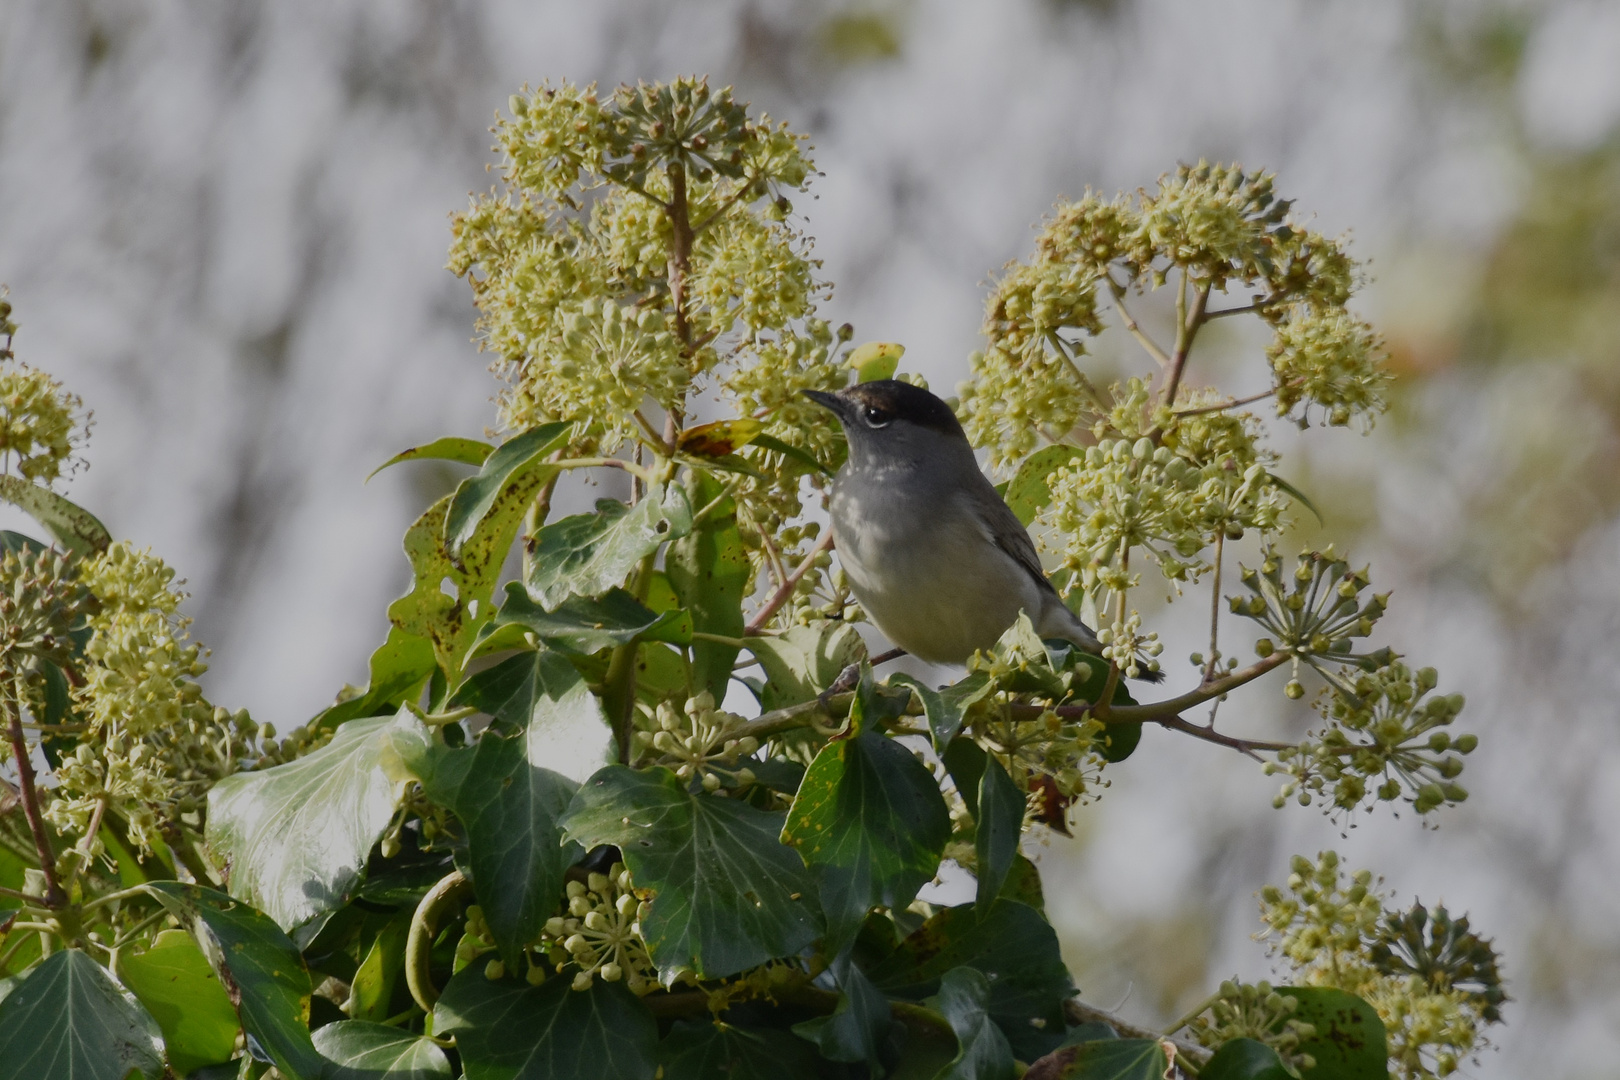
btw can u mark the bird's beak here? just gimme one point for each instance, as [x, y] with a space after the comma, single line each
[831, 402]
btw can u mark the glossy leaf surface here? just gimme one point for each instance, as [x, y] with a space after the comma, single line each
[726, 895]
[174, 981]
[369, 1051]
[69, 1021]
[297, 835]
[588, 554]
[507, 1030]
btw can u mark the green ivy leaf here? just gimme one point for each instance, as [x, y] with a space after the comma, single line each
[965, 760]
[379, 1052]
[507, 481]
[1119, 740]
[1110, 1059]
[450, 448]
[69, 1021]
[870, 821]
[260, 969]
[509, 806]
[1023, 884]
[702, 1050]
[541, 694]
[1014, 947]
[726, 895]
[1350, 1041]
[946, 708]
[1244, 1059]
[964, 994]
[173, 980]
[1030, 489]
[710, 572]
[371, 991]
[74, 527]
[296, 836]
[802, 661]
[855, 1031]
[587, 625]
[588, 554]
[1000, 818]
[506, 1029]
[399, 666]
[791, 453]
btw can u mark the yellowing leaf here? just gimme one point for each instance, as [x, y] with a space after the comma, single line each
[876, 360]
[721, 437]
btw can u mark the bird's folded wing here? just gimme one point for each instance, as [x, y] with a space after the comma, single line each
[1009, 534]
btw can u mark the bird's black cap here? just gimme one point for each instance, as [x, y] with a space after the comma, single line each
[894, 399]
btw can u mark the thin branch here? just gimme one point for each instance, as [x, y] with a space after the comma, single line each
[1136, 331]
[24, 897]
[1157, 711]
[773, 555]
[1187, 324]
[736, 196]
[1221, 406]
[1215, 609]
[605, 463]
[1258, 305]
[54, 897]
[795, 716]
[784, 593]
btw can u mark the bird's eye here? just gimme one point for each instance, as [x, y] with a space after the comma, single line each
[876, 417]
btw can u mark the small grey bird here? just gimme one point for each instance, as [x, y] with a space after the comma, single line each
[933, 553]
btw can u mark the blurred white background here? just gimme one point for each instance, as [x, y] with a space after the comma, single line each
[224, 224]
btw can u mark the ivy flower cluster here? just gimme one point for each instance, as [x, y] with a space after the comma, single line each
[699, 742]
[153, 744]
[41, 424]
[1315, 613]
[1215, 229]
[642, 254]
[1255, 1011]
[1387, 733]
[686, 232]
[1049, 754]
[599, 933]
[1434, 992]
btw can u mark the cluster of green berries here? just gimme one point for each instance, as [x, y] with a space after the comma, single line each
[1255, 1011]
[699, 742]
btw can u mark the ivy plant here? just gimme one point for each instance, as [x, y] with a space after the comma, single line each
[540, 842]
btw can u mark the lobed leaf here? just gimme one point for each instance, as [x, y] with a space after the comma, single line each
[588, 554]
[947, 707]
[541, 694]
[1010, 943]
[295, 837]
[726, 895]
[509, 805]
[448, 618]
[506, 1029]
[586, 625]
[870, 821]
[69, 1021]
[702, 1050]
[378, 1052]
[983, 1054]
[857, 1027]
